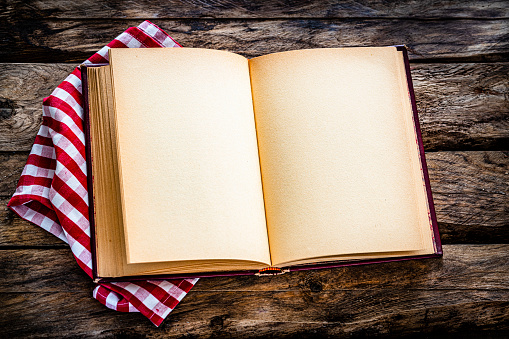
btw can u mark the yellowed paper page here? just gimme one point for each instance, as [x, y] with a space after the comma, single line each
[106, 188]
[337, 153]
[190, 176]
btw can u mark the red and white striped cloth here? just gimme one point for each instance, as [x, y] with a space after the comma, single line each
[52, 190]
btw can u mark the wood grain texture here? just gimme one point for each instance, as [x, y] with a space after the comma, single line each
[22, 89]
[11, 166]
[479, 180]
[352, 314]
[470, 190]
[18, 233]
[47, 40]
[257, 9]
[465, 291]
[461, 106]
[482, 267]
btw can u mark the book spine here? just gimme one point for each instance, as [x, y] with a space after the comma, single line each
[271, 271]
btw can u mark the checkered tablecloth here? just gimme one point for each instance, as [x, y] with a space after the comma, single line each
[52, 190]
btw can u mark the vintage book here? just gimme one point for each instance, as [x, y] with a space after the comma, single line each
[206, 163]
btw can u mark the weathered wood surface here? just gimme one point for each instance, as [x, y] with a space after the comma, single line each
[470, 190]
[18, 233]
[482, 267]
[352, 314]
[460, 64]
[471, 195]
[461, 106]
[463, 293]
[22, 89]
[46, 40]
[11, 165]
[146, 9]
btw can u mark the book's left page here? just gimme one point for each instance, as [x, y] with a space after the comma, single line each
[188, 158]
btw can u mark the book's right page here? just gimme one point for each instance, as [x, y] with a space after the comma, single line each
[339, 159]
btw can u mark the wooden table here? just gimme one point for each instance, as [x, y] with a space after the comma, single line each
[460, 64]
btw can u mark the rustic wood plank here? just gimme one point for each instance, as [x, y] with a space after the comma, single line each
[11, 166]
[465, 291]
[357, 313]
[471, 195]
[482, 267]
[470, 190]
[42, 270]
[461, 106]
[74, 40]
[22, 89]
[16, 232]
[368, 313]
[256, 9]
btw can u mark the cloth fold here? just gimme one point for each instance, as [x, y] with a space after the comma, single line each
[52, 190]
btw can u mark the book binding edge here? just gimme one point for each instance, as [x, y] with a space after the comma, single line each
[88, 158]
[424, 167]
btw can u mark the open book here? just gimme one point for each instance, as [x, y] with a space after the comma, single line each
[205, 162]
